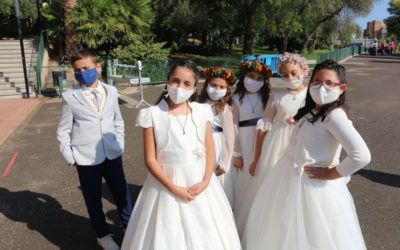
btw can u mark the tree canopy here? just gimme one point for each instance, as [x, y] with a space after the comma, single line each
[288, 25]
[393, 21]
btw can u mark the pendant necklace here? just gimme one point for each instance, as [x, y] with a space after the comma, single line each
[184, 125]
[294, 94]
[252, 106]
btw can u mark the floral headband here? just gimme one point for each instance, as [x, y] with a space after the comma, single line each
[256, 66]
[294, 58]
[217, 72]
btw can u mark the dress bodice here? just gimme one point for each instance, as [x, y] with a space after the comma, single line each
[321, 149]
[181, 148]
[287, 103]
[250, 103]
[320, 143]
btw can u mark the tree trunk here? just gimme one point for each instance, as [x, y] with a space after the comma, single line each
[285, 40]
[305, 43]
[249, 31]
[230, 42]
[70, 35]
[204, 38]
[312, 49]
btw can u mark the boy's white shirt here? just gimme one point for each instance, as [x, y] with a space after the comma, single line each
[87, 93]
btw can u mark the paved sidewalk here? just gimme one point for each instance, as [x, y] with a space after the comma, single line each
[13, 112]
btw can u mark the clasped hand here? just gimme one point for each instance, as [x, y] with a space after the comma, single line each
[189, 194]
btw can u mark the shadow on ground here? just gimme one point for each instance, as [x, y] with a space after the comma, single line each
[45, 215]
[388, 179]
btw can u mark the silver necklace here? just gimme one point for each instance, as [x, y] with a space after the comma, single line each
[184, 125]
[294, 94]
[253, 107]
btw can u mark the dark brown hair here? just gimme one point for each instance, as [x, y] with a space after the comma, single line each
[220, 104]
[324, 111]
[84, 53]
[186, 63]
[264, 91]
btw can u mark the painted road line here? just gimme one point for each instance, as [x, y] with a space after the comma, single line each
[10, 164]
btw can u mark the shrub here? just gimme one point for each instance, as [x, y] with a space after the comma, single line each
[139, 51]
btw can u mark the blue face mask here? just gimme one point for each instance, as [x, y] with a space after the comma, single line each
[87, 77]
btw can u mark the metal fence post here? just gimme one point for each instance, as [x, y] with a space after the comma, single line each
[109, 72]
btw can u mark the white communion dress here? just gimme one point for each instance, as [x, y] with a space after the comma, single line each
[292, 211]
[160, 220]
[223, 133]
[282, 104]
[245, 116]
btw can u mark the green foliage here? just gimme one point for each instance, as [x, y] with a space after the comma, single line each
[104, 24]
[139, 51]
[213, 22]
[393, 21]
[27, 9]
[54, 15]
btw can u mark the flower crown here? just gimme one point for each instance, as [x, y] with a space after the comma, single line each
[295, 58]
[256, 66]
[217, 72]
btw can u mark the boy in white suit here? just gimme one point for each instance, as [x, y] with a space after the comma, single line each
[91, 137]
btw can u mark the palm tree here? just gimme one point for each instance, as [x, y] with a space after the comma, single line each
[105, 24]
[70, 36]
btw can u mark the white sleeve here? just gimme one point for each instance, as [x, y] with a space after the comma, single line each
[229, 137]
[357, 151]
[265, 124]
[235, 117]
[64, 131]
[144, 119]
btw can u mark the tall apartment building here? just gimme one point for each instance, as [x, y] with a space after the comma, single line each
[376, 29]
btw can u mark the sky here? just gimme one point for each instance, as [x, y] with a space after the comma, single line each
[379, 12]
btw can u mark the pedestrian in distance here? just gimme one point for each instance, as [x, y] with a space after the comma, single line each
[181, 204]
[216, 91]
[91, 138]
[304, 202]
[391, 48]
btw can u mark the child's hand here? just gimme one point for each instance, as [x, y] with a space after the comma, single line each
[238, 162]
[183, 194]
[219, 171]
[252, 168]
[197, 188]
[322, 173]
[291, 120]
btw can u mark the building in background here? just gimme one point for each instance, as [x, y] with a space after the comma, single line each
[375, 29]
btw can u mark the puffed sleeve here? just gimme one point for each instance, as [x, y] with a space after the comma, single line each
[265, 124]
[144, 118]
[342, 129]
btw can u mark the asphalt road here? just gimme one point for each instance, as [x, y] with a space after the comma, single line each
[41, 205]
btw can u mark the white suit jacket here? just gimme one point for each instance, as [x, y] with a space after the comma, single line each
[85, 136]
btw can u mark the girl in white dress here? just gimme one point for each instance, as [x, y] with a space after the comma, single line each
[303, 203]
[275, 126]
[248, 103]
[216, 92]
[181, 205]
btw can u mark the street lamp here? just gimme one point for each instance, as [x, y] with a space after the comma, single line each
[21, 42]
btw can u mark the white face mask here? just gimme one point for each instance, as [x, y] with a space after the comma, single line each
[214, 94]
[324, 95]
[251, 85]
[293, 83]
[179, 95]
